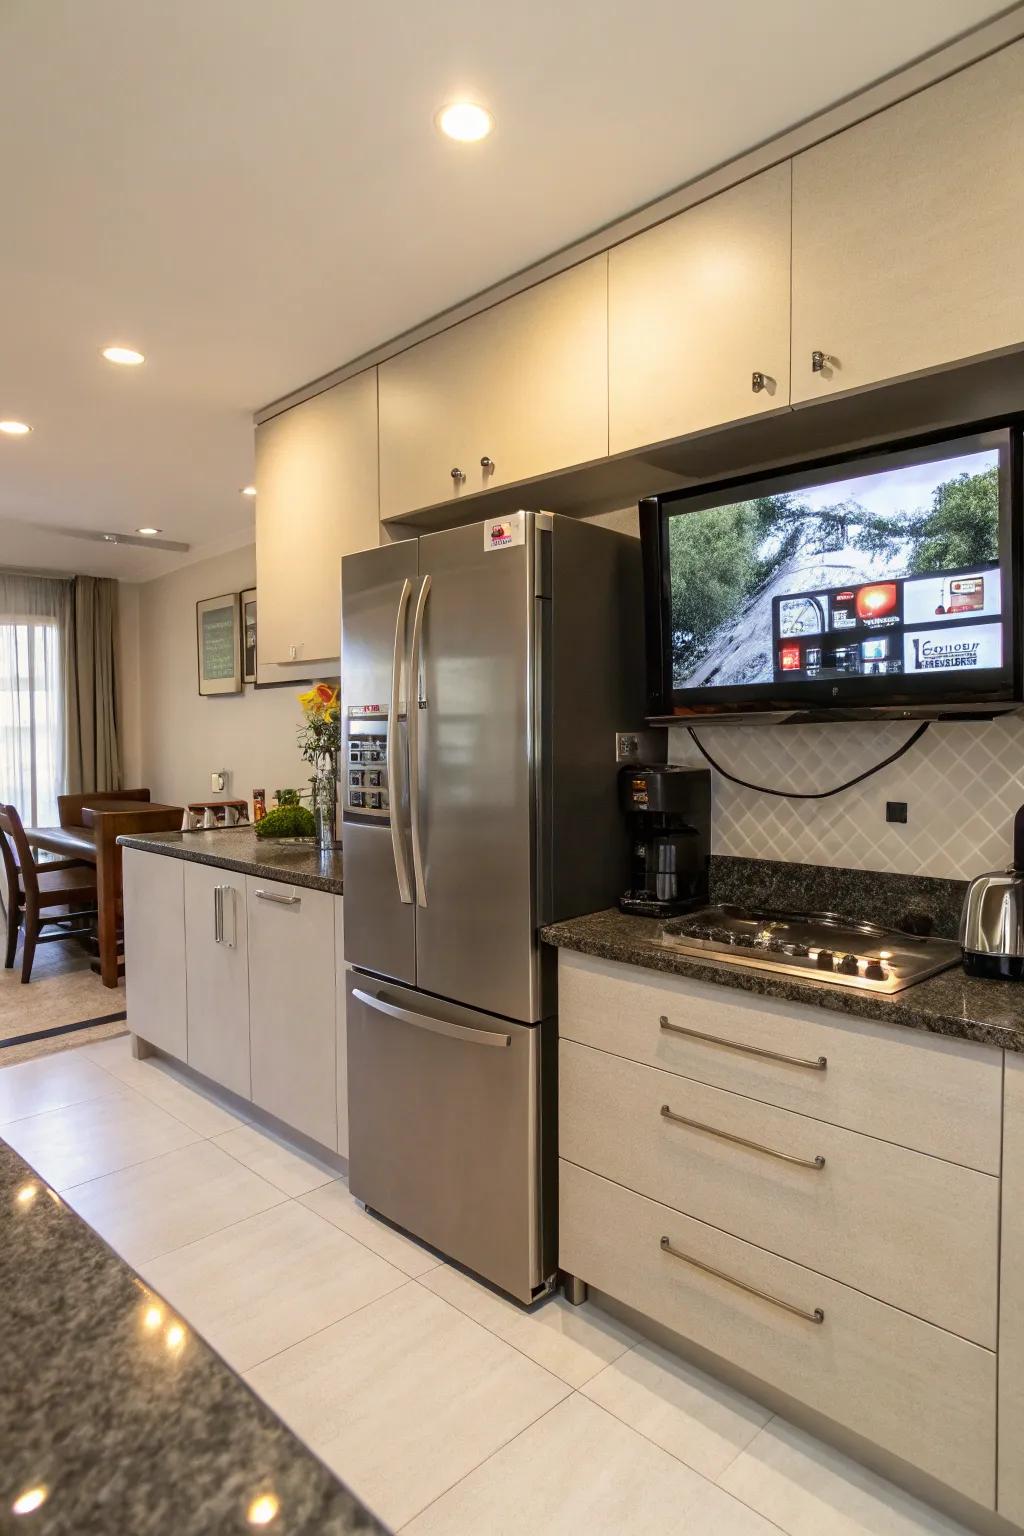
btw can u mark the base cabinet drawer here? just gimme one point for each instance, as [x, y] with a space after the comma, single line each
[924, 1394]
[902, 1085]
[891, 1222]
[292, 1006]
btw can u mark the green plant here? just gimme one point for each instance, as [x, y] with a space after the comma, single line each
[287, 821]
[286, 796]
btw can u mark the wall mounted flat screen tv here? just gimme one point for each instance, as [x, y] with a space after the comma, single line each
[886, 581]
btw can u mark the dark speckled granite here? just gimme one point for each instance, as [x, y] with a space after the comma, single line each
[126, 1435]
[239, 849]
[952, 1003]
[860, 893]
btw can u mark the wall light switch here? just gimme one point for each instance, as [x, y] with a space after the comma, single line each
[219, 780]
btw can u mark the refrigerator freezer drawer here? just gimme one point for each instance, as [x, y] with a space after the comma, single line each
[445, 1128]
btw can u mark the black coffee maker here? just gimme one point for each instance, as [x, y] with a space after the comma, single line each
[669, 811]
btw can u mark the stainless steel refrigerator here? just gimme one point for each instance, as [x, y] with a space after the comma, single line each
[485, 672]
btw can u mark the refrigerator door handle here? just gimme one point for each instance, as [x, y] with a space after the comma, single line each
[394, 753]
[416, 703]
[436, 1026]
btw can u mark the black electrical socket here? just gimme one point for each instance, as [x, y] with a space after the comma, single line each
[896, 810]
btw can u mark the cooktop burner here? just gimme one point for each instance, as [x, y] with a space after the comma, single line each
[819, 946]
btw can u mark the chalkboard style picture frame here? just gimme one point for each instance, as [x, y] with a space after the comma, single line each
[249, 633]
[219, 645]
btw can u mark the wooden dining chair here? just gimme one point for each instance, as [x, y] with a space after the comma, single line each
[35, 890]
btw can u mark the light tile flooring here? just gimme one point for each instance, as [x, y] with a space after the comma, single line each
[448, 1409]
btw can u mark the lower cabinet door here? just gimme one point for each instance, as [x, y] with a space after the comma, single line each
[154, 949]
[341, 1005]
[292, 1006]
[1011, 1299]
[914, 1389]
[217, 976]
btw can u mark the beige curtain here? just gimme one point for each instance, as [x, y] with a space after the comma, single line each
[93, 756]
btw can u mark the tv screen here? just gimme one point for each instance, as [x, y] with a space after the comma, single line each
[884, 579]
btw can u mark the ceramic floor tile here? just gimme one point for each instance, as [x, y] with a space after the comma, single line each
[158, 1081]
[260, 1286]
[95, 1137]
[700, 1420]
[292, 1171]
[807, 1488]
[577, 1472]
[572, 1342]
[170, 1201]
[405, 1397]
[50, 1082]
[717, 1513]
[335, 1203]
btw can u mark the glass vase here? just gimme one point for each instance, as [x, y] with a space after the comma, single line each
[325, 811]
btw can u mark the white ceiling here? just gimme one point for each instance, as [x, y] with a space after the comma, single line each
[252, 192]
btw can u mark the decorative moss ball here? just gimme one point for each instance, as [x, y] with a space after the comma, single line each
[287, 821]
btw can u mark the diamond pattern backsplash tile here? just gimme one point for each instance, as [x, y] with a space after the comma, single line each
[963, 782]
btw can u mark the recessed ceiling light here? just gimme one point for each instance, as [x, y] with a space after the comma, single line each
[465, 121]
[15, 428]
[126, 356]
[149, 533]
[248, 490]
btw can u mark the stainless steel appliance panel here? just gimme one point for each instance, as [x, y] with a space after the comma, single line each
[444, 1129]
[377, 588]
[474, 771]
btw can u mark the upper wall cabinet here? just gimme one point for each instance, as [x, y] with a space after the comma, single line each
[517, 391]
[698, 316]
[907, 235]
[316, 478]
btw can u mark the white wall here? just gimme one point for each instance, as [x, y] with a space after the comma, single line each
[182, 737]
[962, 782]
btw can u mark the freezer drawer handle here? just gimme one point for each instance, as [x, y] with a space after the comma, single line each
[393, 754]
[741, 1141]
[815, 1316]
[436, 1026]
[279, 901]
[817, 1065]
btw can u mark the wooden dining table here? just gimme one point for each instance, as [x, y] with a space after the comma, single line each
[93, 840]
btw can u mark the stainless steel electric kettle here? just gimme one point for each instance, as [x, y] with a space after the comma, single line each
[992, 925]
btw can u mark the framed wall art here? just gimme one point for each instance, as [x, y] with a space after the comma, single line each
[218, 645]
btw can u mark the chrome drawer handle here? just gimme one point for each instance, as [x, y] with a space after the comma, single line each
[817, 1065]
[281, 901]
[741, 1141]
[815, 1316]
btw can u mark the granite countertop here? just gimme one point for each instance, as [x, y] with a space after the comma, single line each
[117, 1422]
[951, 1003]
[239, 849]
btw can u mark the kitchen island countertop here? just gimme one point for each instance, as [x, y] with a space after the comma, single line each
[116, 1416]
[951, 1003]
[239, 849]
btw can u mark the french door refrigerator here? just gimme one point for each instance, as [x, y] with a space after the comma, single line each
[485, 671]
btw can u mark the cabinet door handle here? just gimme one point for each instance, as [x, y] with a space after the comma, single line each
[226, 893]
[818, 1065]
[218, 914]
[741, 1141]
[486, 464]
[815, 1315]
[820, 361]
[280, 901]
[458, 474]
[759, 381]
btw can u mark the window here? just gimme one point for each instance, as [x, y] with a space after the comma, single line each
[31, 718]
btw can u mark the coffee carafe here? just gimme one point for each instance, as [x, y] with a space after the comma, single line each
[669, 813]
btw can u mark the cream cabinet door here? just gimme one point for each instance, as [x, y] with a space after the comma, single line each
[292, 1018]
[698, 316]
[907, 234]
[317, 499]
[341, 1003]
[154, 949]
[217, 976]
[523, 385]
[1010, 1497]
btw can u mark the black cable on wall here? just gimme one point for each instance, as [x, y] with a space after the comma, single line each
[821, 794]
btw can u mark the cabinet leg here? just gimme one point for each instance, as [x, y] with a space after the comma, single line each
[141, 1048]
[574, 1290]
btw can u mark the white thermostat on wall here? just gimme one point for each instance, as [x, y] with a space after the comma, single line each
[503, 532]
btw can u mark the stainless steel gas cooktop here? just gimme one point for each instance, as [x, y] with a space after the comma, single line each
[818, 946]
